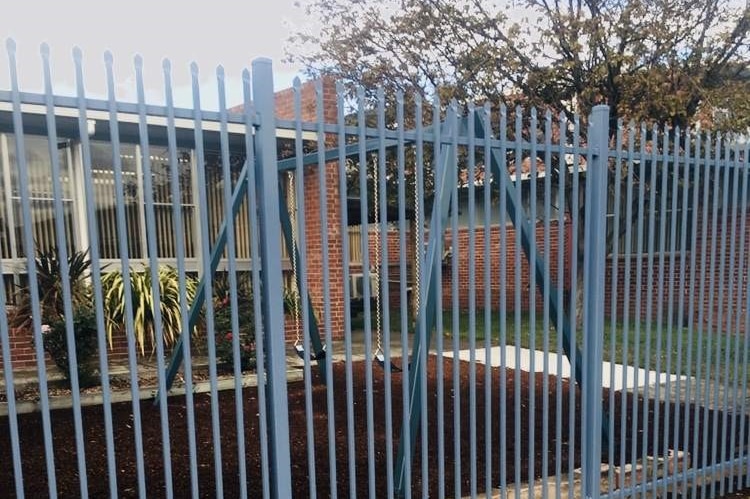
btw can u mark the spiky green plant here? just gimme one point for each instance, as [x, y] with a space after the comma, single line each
[49, 280]
[144, 325]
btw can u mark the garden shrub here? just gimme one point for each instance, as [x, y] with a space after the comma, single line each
[223, 323]
[54, 336]
[49, 279]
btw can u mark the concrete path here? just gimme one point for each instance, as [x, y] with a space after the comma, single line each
[625, 377]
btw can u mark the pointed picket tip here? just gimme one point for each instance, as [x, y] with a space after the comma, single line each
[399, 98]
[44, 50]
[503, 109]
[138, 61]
[10, 45]
[470, 107]
[245, 75]
[418, 100]
[436, 102]
[77, 54]
[453, 104]
[339, 88]
[262, 60]
[108, 57]
[166, 65]
[296, 82]
[533, 113]
[194, 68]
[220, 71]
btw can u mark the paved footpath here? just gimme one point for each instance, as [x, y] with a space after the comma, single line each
[618, 377]
[627, 377]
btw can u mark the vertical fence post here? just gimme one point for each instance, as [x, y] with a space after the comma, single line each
[594, 270]
[267, 187]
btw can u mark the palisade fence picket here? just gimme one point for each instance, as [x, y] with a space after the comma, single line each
[531, 305]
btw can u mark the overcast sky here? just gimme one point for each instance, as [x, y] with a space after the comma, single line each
[209, 32]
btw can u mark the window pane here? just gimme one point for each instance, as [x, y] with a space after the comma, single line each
[39, 168]
[5, 228]
[215, 192]
[164, 202]
[105, 198]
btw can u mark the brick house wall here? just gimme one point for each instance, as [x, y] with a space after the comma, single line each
[315, 227]
[461, 251]
[23, 353]
[393, 242]
[721, 313]
[22, 345]
[725, 311]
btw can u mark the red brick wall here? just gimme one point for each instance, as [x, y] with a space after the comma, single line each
[119, 349]
[22, 349]
[461, 251]
[375, 246]
[308, 101]
[733, 282]
[314, 227]
[315, 250]
[23, 353]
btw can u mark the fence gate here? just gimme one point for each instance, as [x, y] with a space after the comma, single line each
[337, 292]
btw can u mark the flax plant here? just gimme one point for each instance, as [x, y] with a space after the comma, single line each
[144, 305]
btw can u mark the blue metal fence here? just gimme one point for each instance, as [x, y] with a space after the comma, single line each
[571, 318]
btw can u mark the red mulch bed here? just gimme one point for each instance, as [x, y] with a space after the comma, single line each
[34, 468]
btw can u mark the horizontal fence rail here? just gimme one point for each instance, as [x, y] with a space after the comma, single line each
[335, 292]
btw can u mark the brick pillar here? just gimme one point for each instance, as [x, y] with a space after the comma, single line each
[315, 250]
[313, 199]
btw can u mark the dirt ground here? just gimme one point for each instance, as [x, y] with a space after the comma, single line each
[34, 467]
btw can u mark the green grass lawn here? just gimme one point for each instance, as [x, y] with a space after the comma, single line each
[666, 347]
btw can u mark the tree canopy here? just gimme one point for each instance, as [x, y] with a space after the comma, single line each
[674, 62]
